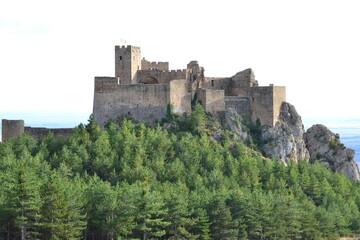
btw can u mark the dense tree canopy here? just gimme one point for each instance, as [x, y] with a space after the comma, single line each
[131, 181]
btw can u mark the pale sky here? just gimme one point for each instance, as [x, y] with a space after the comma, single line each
[50, 51]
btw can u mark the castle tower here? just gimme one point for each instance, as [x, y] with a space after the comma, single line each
[11, 128]
[127, 63]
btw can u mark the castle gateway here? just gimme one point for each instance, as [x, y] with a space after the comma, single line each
[142, 89]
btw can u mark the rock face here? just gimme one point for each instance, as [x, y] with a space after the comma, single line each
[233, 122]
[285, 141]
[325, 146]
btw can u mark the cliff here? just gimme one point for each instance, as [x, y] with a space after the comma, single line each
[325, 146]
[285, 140]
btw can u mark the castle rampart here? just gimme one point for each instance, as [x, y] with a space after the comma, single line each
[147, 65]
[14, 128]
[161, 77]
[144, 102]
[11, 128]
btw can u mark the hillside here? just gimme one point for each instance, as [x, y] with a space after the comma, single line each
[185, 178]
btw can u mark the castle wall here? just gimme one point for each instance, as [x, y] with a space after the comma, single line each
[180, 98]
[144, 102]
[127, 62]
[213, 101]
[265, 103]
[14, 128]
[147, 65]
[11, 128]
[279, 96]
[218, 84]
[240, 104]
[40, 132]
[162, 77]
[241, 83]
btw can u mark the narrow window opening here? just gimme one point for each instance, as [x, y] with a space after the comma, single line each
[253, 99]
[120, 58]
[212, 83]
[129, 113]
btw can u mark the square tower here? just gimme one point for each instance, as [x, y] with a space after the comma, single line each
[127, 63]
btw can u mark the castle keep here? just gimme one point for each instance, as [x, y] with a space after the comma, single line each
[142, 89]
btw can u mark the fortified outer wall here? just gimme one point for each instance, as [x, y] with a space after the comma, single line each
[14, 128]
[265, 103]
[40, 132]
[240, 104]
[218, 84]
[11, 128]
[179, 97]
[144, 102]
[212, 101]
[162, 77]
[147, 65]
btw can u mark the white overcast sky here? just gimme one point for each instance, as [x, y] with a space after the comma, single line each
[50, 51]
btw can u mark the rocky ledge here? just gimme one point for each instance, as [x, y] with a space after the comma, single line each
[325, 146]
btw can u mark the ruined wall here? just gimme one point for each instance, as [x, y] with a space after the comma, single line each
[265, 103]
[127, 63]
[218, 84]
[40, 132]
[180, 98]
[162, 77]
[240, 104]
[213, 101]
[147, 65]
[241, 83]
[11, 128]
[144, 102]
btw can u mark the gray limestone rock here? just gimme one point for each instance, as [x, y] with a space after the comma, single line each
[325, 146]
[285, 141]
[233, 122]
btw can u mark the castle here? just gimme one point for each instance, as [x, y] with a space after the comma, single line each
[143, 90]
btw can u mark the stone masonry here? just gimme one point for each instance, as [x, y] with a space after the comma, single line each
[143, 89]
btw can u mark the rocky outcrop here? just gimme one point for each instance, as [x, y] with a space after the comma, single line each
[325, 146]
[285, 141]
[233, 122]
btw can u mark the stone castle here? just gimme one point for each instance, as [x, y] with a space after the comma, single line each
[143, 90]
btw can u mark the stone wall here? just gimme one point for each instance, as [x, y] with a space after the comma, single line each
[11, 128]
[218, 84]
[279, 97]
[180, 98]
[147, 65]
[14, 128]
[265, 103]
[162, 77]
[240, 104]
[144, 102]
[213, 101]
[39, 132]
[241, 83]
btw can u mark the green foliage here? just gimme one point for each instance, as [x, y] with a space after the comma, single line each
[130, 181]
